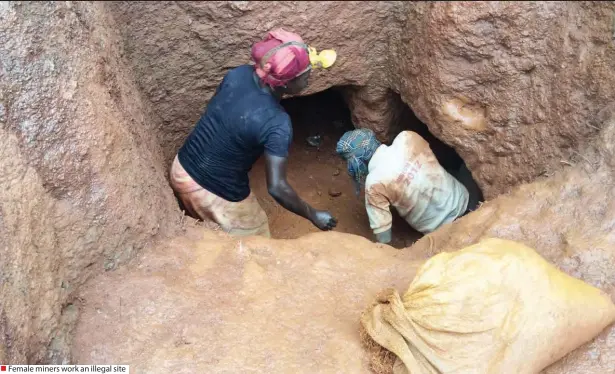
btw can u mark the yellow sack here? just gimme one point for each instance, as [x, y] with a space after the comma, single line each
[494, 307]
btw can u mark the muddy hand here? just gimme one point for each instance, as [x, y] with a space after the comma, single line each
[324, 220]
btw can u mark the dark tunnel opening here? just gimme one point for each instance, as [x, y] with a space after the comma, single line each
[447, 156]
[319, 175]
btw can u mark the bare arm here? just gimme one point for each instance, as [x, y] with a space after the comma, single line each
[286, 196]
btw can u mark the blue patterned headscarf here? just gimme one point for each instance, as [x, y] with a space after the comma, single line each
[357, 147]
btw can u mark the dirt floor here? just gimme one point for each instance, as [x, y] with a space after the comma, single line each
[206, 303]
[318, 174]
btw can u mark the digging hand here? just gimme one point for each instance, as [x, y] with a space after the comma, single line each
[323, 220]
[385, 237]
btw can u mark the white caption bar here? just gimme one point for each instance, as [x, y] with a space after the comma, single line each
[64, 369]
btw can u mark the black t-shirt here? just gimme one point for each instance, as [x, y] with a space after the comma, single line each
[240, 122]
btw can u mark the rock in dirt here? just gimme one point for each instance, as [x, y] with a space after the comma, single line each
[334, 192]
[336, 172]
[314, 141]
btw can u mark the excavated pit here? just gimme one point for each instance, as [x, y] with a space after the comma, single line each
[219, 303]
[319, 175]
[90, 233]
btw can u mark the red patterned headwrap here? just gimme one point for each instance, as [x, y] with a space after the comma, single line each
[280, 57]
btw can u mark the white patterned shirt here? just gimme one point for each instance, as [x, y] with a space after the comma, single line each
[408, 176]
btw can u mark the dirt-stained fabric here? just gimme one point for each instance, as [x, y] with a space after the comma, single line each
[407, 176]
[241, 218]
[496, 307]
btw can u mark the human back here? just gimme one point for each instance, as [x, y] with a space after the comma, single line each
[408, 176]
[240, 122]
[243, 120]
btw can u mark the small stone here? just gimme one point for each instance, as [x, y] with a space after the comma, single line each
[314, 141]
[109, 264]
[334, 192]
[336, 172]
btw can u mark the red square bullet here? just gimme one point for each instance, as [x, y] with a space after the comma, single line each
[2, 368]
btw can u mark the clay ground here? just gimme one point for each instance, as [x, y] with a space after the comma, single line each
[206, 303]
[316, 172]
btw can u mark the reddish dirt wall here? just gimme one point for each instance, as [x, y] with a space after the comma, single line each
[514, 86]
[82, 184]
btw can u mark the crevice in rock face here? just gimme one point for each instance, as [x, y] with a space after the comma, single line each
[447, 156]
[383, 110]
[319, 112]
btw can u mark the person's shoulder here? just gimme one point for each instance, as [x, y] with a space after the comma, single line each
[370, 180]
[374, 177]
[270, 118]
[281, 116]
[279, 119]
[379, 156]
[409, 137]
[273, 113]
[241, 71]
[407, 134]
[384, 166]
